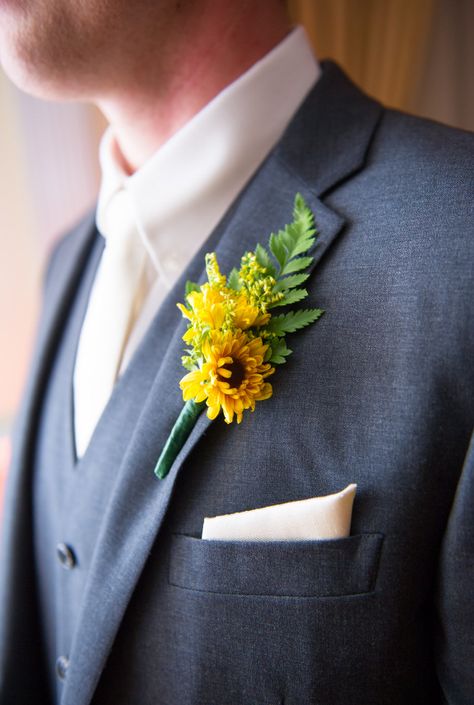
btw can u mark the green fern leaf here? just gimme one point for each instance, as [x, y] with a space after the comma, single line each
[303, 245]
[302, 214]
[290, 282]
[293, 321]
[233, 281]
[291, 297]
[297, 265]
[296, 238]
[278, 249]
[279, 352]
[264, 260]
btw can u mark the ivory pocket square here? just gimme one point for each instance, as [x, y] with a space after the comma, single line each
[327, 517]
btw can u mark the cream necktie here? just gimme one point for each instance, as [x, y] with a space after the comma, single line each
[114, 303]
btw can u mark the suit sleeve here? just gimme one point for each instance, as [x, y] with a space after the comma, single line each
[455, 594]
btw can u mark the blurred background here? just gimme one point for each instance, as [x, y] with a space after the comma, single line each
[416, 55]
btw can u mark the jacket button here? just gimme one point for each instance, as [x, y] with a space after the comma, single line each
[66, 556]
[62, 664]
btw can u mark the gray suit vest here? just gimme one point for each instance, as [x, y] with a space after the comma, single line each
[66, 489]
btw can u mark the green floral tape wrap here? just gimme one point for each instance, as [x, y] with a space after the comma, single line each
[178, 436]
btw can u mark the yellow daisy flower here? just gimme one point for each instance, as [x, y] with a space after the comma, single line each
[246, 315]
[207, 307]
[216, 309]
[232, 377]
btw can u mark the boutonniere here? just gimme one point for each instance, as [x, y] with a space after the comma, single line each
[234, 338]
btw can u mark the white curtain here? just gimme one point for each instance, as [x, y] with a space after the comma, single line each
[416, 55]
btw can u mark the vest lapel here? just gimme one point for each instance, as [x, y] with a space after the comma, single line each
[138, 506]
[60, 292]
[61, 285]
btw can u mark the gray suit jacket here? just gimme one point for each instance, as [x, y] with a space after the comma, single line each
[378, 392]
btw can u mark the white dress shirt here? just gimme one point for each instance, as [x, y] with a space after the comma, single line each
[179, 195]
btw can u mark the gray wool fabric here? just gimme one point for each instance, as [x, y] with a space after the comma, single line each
[378, 392]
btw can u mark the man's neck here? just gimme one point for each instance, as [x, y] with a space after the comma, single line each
[163, 95]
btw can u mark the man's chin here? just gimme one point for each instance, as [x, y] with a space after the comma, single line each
[32, 79]
[27, 60]
[26, 80]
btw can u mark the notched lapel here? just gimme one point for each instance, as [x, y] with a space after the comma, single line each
[140, 501]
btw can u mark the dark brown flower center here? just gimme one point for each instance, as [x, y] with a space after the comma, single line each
[237, 373]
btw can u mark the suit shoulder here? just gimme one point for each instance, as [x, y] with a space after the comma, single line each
[427, 162]
[426, 143]
[417, 124]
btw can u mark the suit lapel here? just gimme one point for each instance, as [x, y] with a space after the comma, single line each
[307, 160]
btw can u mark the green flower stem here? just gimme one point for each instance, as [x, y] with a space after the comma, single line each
[179, 434]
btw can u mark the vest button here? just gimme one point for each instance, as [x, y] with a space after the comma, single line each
[66, 556]
[62, 664]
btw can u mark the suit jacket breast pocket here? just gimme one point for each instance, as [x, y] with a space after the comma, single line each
[328, 568]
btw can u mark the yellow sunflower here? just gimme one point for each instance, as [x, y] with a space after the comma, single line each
[232, 377]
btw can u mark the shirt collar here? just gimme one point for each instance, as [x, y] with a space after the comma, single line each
[180, 194]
